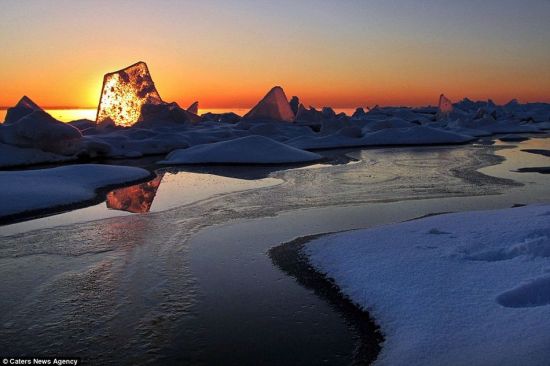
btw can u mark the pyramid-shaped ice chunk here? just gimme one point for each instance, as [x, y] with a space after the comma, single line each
[274, 106]
[24, 107]
[123, 94]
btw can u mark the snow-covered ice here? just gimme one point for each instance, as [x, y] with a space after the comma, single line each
[468, 288]
[21, 109]
[245, 150]
[39, 189]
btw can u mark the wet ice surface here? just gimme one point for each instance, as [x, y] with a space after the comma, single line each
[191, 280]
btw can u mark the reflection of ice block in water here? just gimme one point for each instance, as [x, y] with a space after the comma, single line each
[137, 198]
[445, 106]
[274, 106]
[123, 94]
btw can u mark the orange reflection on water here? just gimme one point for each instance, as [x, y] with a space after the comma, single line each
[135, 199]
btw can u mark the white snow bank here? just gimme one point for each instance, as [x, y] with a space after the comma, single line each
[245, 150]
[468, 288]
[27, 190]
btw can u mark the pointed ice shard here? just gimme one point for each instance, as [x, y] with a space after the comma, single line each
[274, 106]
[123, 94]
[193, 108]
[24, 107]
[445, 107]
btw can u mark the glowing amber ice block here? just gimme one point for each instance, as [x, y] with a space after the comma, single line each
[137, 198]
[123, 94]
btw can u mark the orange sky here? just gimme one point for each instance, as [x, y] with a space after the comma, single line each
[229, 54]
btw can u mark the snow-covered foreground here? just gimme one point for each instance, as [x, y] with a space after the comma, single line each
[40, 189]
[469, 288]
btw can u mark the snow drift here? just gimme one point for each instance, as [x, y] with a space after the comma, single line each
[468, 288]
[245, 150]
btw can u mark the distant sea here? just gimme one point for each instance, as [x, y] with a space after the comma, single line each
[67, 115]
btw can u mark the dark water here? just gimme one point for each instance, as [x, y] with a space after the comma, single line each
[191, 281]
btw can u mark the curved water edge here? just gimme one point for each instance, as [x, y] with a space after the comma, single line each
[289, 257]
[136, 283]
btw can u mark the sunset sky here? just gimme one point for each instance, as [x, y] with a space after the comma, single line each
[343, 53]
